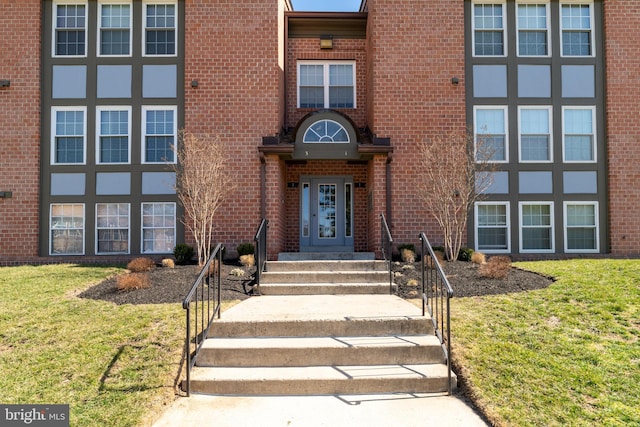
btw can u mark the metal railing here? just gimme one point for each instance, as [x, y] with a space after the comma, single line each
[261, 248]
[436, 296]
[203, 300]
[386, 244]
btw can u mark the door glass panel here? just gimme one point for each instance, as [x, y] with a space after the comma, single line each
[347, 210]
[305, 206]
[327, 211]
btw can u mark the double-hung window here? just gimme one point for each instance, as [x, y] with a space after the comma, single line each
[576, 27]
[160, 132]
[113, 134]
[326, 84]
[112, 228]
[492, 226]
[114, 35]
[160, 28]
[536, 227]
[70, 29]
[158, 227]
[66, 229]
[535, 134]
[490, 134]
[68, 135]
[533, 29]
[579, 142]
[581, 227]
[489, 22]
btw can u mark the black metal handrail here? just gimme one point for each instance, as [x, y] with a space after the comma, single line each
[386, 242]
[261, 248]
[436, 296]
[204, 300]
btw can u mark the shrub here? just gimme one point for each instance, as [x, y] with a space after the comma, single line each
[168, 263]
[465, 254]
[496, 268]
[238, 272]
[214, 267]
[409, 246]
[478, 258]
[183, 253]
[408, 255]
[138, 265]
[130, 282]
[248, 260]
[245, 249]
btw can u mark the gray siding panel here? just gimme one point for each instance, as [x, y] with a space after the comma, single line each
[69, 82]
[580, 182]
[68, 184]
[159, 81]
[578, 81]
[534, 81]
[158, 183]
[113, 183]
[114, 81]
[490, 81]
[535, 182]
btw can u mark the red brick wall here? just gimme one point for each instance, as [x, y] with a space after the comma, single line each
[622, 55]
[20, 30]
[414, 49]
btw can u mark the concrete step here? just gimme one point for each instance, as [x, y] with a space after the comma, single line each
[305, 256]
[291, 266]
[321, 351]
[323, 277]
[324, 288]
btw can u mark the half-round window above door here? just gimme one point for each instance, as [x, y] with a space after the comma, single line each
[326, 131]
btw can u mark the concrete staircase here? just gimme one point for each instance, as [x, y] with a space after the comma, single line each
[321, 328]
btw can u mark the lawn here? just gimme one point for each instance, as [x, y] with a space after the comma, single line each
[567, 355]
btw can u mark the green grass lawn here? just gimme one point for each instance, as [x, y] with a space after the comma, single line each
[568, 355]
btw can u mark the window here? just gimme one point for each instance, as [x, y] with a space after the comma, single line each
[160, 29]
[576, 28]
[581, 227]
[533, 32]
[579, 134]
[158, 227]
[326, 131]
[535, 134]
[112, 228]
[67, 229]
[160, 131]
[69, 28]
[68, 135]
[326, 85]
[488, 29]
[114, 36]
[536, 227]
[491, 134]
[113, 132]
[492, 226]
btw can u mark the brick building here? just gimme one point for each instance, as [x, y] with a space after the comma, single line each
[321, 115]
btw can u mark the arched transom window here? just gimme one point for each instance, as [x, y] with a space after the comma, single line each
[326, 131]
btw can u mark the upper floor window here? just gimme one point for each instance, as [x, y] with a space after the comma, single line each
[533, 29]
[159, 132]
[114, 35]
[490, 133]
[578, 134]
[576, 25]
[326, 85]
[326, 131]
[535, 127]
[68, 135]
[69, 27]
[488, 29]
[113, 130]
[159, 29]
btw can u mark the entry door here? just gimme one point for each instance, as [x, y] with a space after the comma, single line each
[327, 214]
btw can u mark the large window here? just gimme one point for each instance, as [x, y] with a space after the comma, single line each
[160, 28]
[70, 29]
[112, 228]
[536, 227]
[581, 227]
[113, 134]
[490, 133]
[533, 29]
[160, 134]
[578, 126]
[492, 226]
[68, 135]
[535, 127]
[158, 227]
[66, 229]
[326, 85]
[489, 29]
[576, 28]
[114, 36]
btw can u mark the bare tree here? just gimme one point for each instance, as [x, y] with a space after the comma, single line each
[454, 174]
[202, 183]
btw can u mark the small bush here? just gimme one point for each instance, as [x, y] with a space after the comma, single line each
[496, 268]
[168, 263]
[465, 254]
[138, 265]
[248, 260]
[214, 267]
[130, 282]
[409, 246]
[478, 258]
[429, 261]
[245, 249]
[412, 283]
[183, 253]
[238, 272]
[408, 255]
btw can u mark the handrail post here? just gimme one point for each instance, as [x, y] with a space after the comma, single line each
[261, 248]
[386, 240]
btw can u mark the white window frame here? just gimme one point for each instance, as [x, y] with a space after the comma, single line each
[547, 30]
[99, 28]
[592, 32]
[325, 81]
[53, 143]
[54, 26]
[476, 130]
[144, 135]
[507, 226]
[113, 227]
[144, 27]
[505, 46]
[81, 229]
[99, 134]
[143, 228]
[596, 209]
[594, 142]
[551, 227]
[549, 110]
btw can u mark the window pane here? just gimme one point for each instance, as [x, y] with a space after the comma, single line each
[341, 97]
[490, 121]
[70, 30]
[532, 16]
[581, 238]
[160, 38]
[532, 43]
[158, 227]
[114, 136]
[489, 43]
[311, 75]
[576, 30]
[311, 97]
[581, 215]
[536, 239]
[492, 215]
[69, 137]
[114, 29]
[160, 138]
[492, 238]
[67, 229]
[112, 227]
[576, 43]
